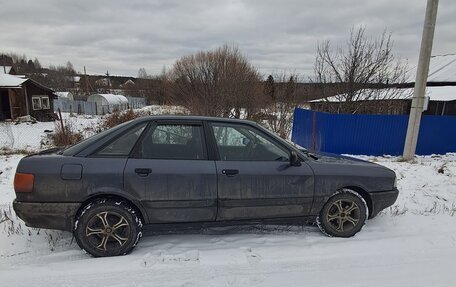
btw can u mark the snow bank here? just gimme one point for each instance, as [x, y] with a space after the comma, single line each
[427, 186]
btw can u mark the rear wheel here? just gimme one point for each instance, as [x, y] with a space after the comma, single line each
[343, 215]
[107, 227]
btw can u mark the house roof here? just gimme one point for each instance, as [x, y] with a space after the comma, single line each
[11, 81]
[442, 68]
[16, 82]
[445, 94]
[438, 93]
[41, 86]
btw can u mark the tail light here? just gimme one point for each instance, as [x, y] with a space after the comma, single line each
[23, 182]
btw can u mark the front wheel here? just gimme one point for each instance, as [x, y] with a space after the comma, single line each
[108, 227]
[343, 215]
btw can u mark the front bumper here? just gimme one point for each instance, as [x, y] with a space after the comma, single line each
[47, 215]
[382, 200]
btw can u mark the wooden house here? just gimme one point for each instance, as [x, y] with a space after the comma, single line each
[20, 96]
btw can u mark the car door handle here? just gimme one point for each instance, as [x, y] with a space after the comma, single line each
[143, 171]
[230, 172]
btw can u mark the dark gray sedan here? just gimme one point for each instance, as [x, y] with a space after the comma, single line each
[183, 171]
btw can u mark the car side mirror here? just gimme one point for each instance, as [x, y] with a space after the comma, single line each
[294, 159]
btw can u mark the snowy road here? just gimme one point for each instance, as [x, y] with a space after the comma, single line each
[386, 253]
[411, 244]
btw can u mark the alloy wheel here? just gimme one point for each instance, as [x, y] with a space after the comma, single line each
[343, 215]
[107, 230]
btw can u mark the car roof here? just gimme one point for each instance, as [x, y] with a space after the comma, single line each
[195, 118]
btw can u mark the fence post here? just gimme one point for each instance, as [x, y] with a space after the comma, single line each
[65, 139]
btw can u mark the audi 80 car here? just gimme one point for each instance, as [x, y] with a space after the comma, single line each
[186, 170]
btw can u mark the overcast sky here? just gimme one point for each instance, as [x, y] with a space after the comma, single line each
[123, 36]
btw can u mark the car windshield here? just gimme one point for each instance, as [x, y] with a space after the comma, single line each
[297, 146]
[290, 143]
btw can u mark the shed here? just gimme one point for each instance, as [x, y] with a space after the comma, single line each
[20, 96]
[107, 103]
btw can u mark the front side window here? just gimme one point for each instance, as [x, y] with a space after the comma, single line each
[36, 103]
[45, 103]
[123, 145]
[243, 143]
[173, 142]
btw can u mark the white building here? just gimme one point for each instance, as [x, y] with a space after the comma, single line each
[107, 103]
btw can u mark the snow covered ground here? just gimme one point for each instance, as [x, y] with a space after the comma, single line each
[412, 243]
[32, 136]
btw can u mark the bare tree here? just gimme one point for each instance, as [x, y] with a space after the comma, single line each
[220, 82]
[142, 74]
[163, 89]
[37, 64]
[156, 89]
[362, 70]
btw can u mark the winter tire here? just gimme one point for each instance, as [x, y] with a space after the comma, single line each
[343, 215]
[108, 227]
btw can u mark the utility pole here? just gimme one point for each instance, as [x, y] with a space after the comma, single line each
[421, 80]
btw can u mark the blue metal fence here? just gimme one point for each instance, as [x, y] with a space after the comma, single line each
[371, 134]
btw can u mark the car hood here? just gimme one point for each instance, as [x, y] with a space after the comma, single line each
[337, 158]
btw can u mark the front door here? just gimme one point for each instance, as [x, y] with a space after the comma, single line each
[171, 169]
[5, 110]
[255, 179]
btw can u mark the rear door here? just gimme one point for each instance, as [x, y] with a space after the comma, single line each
[255, 179]
[171, 172]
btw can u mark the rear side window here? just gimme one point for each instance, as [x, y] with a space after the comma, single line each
[81, 146]
[173, 142]
[123, 145]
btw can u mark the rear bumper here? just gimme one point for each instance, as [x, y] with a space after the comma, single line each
[382, 200]
[47, 215]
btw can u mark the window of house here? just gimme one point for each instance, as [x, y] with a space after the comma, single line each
[36, 103]
[45, 103]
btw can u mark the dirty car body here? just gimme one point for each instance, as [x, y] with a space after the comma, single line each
[194, 170]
